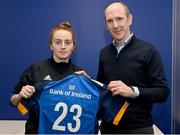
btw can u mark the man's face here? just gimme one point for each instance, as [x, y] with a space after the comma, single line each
[117, 22]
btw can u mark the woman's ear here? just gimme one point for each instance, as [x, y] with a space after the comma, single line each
[50, 46]
[74, 49]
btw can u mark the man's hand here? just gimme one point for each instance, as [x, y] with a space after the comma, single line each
[120, 88]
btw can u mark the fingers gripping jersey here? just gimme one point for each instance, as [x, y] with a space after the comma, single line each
[73, 106]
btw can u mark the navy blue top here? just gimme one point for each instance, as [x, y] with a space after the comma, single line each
[138, 64]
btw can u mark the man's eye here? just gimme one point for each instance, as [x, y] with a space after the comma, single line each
[109, 21]
[119, 19]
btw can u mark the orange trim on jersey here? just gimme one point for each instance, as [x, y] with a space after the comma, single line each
[22, 109]
[120, 113]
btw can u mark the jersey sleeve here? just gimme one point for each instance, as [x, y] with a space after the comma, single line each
[27, 105]
[112, 108]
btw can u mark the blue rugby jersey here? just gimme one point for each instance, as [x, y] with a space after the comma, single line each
[74, 105]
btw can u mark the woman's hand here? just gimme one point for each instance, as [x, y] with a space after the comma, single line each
[27, 91]
[82, 72]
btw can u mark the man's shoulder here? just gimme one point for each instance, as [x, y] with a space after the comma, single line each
[106, 48]
[144, 47]
[142, 44]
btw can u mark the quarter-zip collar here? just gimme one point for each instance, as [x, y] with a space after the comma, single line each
[120, 46]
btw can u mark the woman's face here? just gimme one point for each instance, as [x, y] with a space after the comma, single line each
[62, 45]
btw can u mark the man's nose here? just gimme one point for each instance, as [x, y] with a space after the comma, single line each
[115, 24]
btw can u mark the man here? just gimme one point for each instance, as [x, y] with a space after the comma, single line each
[133, 70]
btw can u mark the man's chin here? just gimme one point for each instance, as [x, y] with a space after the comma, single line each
[118, 36]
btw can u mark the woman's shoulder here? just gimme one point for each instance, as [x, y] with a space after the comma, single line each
[41, 63]
[75, 67]
[37, 65]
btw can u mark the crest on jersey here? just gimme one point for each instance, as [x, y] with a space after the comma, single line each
[72, 87]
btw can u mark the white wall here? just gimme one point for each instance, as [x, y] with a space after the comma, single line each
[17, 127]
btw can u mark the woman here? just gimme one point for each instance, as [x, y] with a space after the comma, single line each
[59, 66]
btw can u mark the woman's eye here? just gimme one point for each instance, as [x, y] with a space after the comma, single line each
[68, 43]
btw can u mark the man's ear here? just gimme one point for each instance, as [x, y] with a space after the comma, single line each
[130, 19]
[107, 28]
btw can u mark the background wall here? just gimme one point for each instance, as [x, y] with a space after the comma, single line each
[24, 34]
